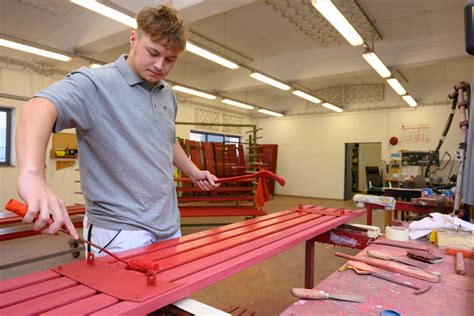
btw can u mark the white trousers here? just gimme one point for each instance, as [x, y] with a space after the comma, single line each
[118, 240]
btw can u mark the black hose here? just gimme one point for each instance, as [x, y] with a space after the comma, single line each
[435, 153]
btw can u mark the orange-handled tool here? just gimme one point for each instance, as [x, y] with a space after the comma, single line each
[16, 207]
[20, 209]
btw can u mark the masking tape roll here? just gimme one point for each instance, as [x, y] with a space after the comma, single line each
[396, 233]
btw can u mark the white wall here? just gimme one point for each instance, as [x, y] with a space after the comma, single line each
[311, 149]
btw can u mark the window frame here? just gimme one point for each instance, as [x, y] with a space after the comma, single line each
[224, 136]
[8, 134]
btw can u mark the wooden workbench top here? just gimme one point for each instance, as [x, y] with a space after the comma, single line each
[453, 296]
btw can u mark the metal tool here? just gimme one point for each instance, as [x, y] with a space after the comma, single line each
[389, 257]
[20, 209]
[365, 269]
[401, 244]
[321, 295]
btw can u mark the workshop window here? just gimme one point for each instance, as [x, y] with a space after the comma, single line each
[5, 132]
[213, 137]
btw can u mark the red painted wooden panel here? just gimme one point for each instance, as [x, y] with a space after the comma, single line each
[29, 292]
[217, 272]
[85, 306]
[51, 301]
[29, 279]
[200, 211]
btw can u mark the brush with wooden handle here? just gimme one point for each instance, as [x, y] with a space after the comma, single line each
[321, 295]
[389, 257]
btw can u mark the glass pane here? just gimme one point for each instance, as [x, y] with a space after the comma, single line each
[232, 139]
[3, 136]
[198, 137]
[215, 138]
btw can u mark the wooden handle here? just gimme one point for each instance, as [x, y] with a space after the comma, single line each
[379, 255]
[394, 267]
[261, 173]
[460, 264]
[309, 294]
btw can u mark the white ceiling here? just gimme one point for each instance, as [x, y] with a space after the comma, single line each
[422, 42]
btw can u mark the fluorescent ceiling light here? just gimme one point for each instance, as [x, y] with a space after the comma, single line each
[377, 64]
[268, 112]
[107, 11]
[238, 104]
[409, 100]
[211, 56]
[340, 23]
[331, 107]
[270, 81]
[94, 65]
[396, 86]
[306, 96]
[194, 92]
[33, 50]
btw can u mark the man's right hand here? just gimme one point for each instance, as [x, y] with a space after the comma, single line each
[45, 204]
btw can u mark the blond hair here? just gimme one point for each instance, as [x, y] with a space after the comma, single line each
[163, 24]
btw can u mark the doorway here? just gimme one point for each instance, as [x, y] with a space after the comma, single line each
[357, 157]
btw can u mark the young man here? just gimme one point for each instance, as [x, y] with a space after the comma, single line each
[124, 116]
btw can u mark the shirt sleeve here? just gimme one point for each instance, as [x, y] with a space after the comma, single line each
[73, 98]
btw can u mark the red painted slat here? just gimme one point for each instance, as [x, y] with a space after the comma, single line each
[215, 198]
[211, 242]
[26, 280]
[85, 306]
[49, 302]
[203, 263]
[214, 273]
[223, 242]
[200, 211]
[189, 238]
[220, 189]
[8, 218]
[30, 292]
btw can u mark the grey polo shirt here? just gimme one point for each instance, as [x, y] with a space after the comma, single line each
[125, 132]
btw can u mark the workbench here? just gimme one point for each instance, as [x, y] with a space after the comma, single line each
[452, 296]
[186, 265]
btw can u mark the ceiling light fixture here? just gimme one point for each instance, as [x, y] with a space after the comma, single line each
[33, 50]
[409, 100]
[377, 64]
[395, 84]
[211, 56]
[270, 81]
[268, 112]
[306, 96]
[194, 92]
[107, 11]
[331, 107]
[238, 104]
[340, 23]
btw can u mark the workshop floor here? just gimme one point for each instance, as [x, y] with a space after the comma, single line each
[264, 289]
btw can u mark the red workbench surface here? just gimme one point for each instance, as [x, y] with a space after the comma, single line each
[452, 296]
[187, 264]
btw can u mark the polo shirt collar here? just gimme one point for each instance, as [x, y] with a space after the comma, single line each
[128, 74]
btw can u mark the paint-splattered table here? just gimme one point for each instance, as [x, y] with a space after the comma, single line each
[453, 295]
